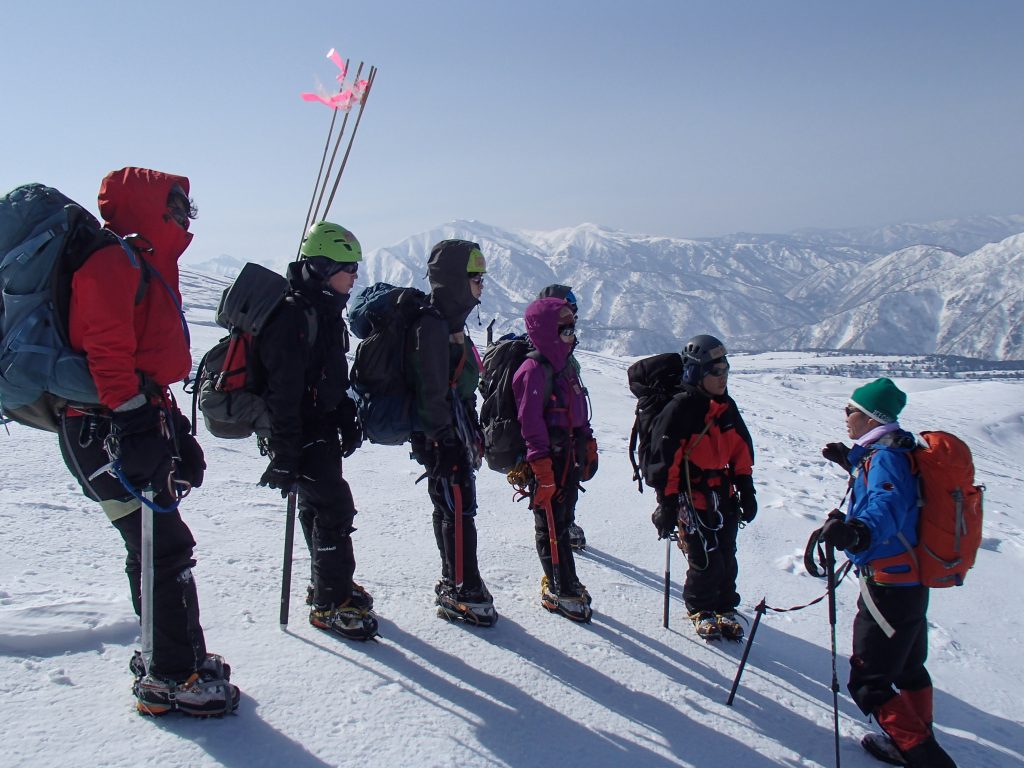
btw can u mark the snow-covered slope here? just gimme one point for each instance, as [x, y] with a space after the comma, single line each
[535, 689]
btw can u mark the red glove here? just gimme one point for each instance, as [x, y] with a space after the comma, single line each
[545, 476]
[590, 462]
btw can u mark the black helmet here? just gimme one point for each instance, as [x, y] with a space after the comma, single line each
[559, 291]
[700, 353]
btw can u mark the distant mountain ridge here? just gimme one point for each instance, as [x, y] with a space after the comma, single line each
[954, 287]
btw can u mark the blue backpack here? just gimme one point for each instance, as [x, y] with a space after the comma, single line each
[44, 238]
[380, 315]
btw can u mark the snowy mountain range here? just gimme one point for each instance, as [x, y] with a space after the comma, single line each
[954, 287]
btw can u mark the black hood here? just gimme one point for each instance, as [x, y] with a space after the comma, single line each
[449, 281]
[303, 280]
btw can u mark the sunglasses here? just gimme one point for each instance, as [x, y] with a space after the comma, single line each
[349, 267]
[477, 280]
[566, 331]
[850, 410]
[717, 370]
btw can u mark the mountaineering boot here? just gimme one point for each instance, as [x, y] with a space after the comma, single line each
[911, 735]
[881, 747]
[474, 607]
[928, 754]
[207, 692]
[348, 620]
[729, 625]
[575, 607]
[360, 597]
[213, 665]
[706, 624]
[577, 539]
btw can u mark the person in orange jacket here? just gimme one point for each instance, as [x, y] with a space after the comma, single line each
[701, 462]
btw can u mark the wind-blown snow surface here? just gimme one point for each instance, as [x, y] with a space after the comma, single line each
[535, 690]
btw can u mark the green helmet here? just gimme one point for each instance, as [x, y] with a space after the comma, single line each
[332, 241]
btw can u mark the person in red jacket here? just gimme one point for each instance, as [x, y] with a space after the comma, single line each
[701, 462]
[125, 315]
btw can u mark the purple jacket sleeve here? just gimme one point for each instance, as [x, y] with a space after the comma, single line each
[529, 385]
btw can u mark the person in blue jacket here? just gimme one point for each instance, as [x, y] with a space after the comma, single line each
[888, 677]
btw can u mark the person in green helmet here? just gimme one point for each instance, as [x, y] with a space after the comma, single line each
[314, 423]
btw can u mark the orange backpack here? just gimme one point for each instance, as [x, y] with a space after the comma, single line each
[949, 527]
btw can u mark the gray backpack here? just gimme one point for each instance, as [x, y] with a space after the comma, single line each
[231, 408]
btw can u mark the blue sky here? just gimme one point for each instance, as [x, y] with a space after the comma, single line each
[679, 118]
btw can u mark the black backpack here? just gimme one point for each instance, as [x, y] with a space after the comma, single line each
[231, 407]
[380, 315]
[504, 446]
[44, 237]
[654, 381]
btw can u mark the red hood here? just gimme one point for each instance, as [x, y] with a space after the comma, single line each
[134, 201]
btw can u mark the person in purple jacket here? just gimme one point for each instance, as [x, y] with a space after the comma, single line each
[560, 448]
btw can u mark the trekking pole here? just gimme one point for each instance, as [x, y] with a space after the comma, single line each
[760, 611]
[146, 599]
[352, 136]
[830, 568]
[289, 541]
[668, 580]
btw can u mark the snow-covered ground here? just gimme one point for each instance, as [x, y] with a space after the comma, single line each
[536, 689]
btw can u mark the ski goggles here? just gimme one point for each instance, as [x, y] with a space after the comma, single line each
[717, 369]
[349, 267]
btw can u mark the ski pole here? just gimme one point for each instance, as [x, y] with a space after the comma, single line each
[289, 541]
[759, 610]
[830, 568]
[147, 580]
[668, 580]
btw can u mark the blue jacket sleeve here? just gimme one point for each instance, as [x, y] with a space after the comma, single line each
[886, 502]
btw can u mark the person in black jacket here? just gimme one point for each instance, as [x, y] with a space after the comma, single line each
[303, 373]
[701, 463]
[444, 369]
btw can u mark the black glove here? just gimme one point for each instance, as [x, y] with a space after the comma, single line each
[449, 458]
[143, 446]
[851, 537]
[191, 461]
[282, 473]
[666, 516]
[744, 484]
[349, 428]
[838, 453]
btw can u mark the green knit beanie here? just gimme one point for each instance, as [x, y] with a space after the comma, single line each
[880, 399]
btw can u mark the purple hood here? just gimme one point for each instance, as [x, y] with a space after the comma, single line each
[542, 320]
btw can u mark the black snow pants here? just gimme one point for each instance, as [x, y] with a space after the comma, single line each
[326, 511]
[179, 646]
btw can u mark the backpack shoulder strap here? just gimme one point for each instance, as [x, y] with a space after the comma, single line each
[549, 371]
